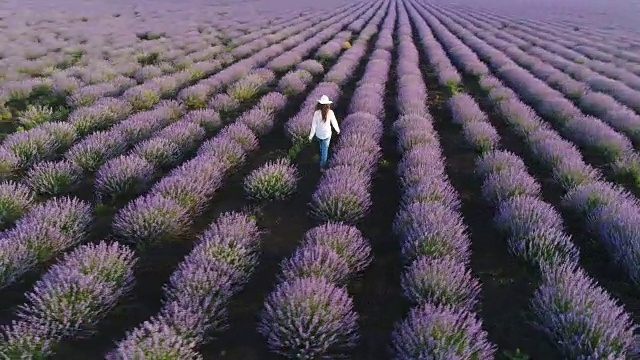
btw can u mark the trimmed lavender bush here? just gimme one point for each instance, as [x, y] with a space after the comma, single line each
[208, 119]
[75, 294]
[151, 220]
[242, 134]
[535, 231]
[31, 147]
[355, 157]
[184, 134]
[465, 110]
[441, 332]
[194, 97]
[342, 195]
[581, 317]
[123, 176]
[506, 184]
[259, 121]
[94, 151]
[292, 83]
[482, 136]
[309, 318]
[224, 104]
[347, 241]
[54, 178]
[192, 192]
[16, 259]
[35, 115]
[312, 66]
[15, 201]
[225, 149]
[498, 161]
[442, 281]
[155, 340]
[275, 180]
[315, 261]
[9, 163]
[159, 152]
[53, 226]
[272, 102]
[431, 189]
[433, 230]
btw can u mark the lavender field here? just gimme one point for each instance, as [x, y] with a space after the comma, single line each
[160, 199]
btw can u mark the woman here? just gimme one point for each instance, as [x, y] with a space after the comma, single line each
[323, 119]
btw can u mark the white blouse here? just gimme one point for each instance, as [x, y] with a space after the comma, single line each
[321, 128]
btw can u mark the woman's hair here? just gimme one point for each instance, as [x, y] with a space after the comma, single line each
[324, 110]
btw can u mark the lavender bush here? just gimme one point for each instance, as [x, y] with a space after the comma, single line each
[309, 318]
[15, 201]
[54, 178]
[275, 180]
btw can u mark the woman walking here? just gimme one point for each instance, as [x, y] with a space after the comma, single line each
[323, 119]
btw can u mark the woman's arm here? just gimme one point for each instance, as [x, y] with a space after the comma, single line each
[313, 126]
[334, 122]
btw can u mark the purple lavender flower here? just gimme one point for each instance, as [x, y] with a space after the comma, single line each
[192, 192]
[248, 87]
[275, 180]
[16, 259]
[464, 109]
[586, 198]
[259, 121]
[143, 97]
[241, 134]
[355, 157]
[54, 178]
[311, 66]
[442, 281]
[441, 332]
[535, 231]
[100, 116]
[315, 261]
[509, 183]
[159, 152]
[581, 317]
[151, 220]
[272, 102]
[342, 195]
[155, 340]
[95, 150]
[498, 161]
[195, 97]
[26, 339]
[309, 318]
[224, 149]
[224, 104]
[62, 133]
[360, 141]
[434, 189]
[185, 134]
[206, 118]
[9, 163]
[363, 123]
[88, 95]
[291, 84]
[15, 201]
[481, 135]
[31, 147]
[123, 176]
[347, 241]
[141, 126]
[69, 216]
[433, 230]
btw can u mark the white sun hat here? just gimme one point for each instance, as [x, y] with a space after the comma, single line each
[324, 100]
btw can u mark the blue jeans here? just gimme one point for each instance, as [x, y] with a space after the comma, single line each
[324, 150]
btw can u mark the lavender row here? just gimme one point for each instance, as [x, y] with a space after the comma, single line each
[435, 246]
[167, 211]
[198, 94]
[37, 145]
[587, 132]
[585, 94]
[297, 127]
[45, 232]
[620, 84]
[196, 297]
[343, 193]
[310, 315]
[603, 54]
[287, 61]
[70, 300]
[89, 157]
[569, 170]
[535, 233]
